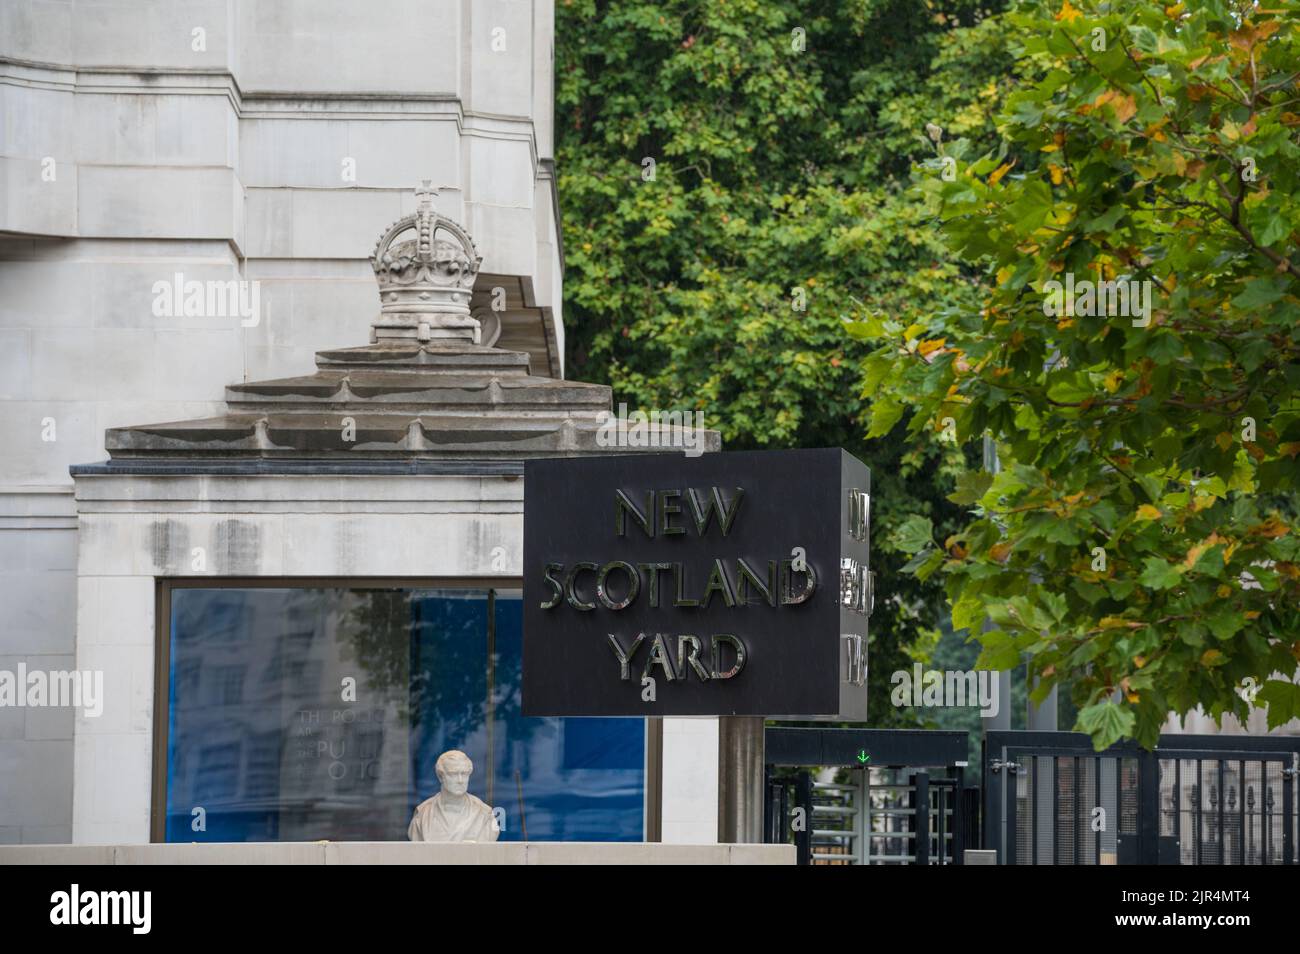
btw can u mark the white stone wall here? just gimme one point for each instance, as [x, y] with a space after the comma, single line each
[134, 530]
[689, 815]
[38, 559]
[137, 529]
[128, 155]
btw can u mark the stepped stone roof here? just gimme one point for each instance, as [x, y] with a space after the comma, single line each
[424, 389]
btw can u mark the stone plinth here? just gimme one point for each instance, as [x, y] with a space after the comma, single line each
[400, 853]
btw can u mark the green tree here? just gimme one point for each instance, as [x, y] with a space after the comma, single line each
[733, 183]
[1140, 543]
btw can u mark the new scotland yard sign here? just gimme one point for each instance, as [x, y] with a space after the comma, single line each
[727, 584]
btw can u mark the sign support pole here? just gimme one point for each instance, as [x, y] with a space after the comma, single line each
[740, 779]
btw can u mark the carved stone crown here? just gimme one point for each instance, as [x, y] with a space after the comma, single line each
[426, 279]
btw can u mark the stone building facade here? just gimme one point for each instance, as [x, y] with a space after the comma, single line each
[151, 149]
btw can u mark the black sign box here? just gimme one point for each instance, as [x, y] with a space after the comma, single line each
[725, 584]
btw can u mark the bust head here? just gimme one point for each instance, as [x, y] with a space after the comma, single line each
[454, 769]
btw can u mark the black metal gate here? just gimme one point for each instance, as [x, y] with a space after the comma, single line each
[897, 798]
[1197, 799]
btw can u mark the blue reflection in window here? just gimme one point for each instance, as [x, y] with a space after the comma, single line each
[581, 779]
[262, 745]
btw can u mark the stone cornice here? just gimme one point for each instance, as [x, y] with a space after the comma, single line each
[378, 106]
[396, 105]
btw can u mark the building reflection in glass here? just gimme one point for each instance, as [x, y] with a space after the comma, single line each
[299, 714]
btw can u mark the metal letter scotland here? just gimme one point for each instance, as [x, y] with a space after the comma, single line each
[693, 587]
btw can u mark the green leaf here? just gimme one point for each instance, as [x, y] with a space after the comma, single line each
[1000, 651]
[931, 563]
[971, 486]
[874, 370]
[1107, 221]
[1159, 575]
[1275, 229]
[1260, 292]
[1225, 623]
[914, 534]
[1069, 389]
[885, 413]
[967, 612]
[1107, 723]
[1282, 699]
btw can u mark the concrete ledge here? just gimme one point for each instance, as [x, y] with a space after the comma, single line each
[399, 853]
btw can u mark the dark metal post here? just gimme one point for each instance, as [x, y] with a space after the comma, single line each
[921, 817]
[1288, 810]
[1241, 811]
[1148, 808]
[1075, 781]
[1096, 787]
[804, 800]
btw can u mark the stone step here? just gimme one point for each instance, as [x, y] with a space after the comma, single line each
[416, 392]
[393, 356]
[323, 436]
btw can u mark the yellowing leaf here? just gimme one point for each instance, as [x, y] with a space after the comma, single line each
[1267, 28]
[1251, 34]
[1196, 550]
[996, 176]
[1212, 657]
[1149, 512]
[1271, 528]
[1123, 104]
[1056, 174]
[1068, 13]
[925, 347]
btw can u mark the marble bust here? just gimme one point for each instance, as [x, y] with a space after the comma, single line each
[453, 814]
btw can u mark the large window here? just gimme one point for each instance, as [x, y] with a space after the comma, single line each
[301, 713]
